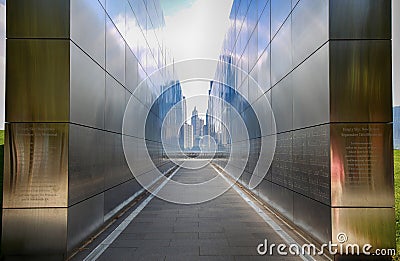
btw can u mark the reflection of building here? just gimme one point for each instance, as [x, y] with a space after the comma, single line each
[188, 136]
[396, 127]
[197, 127]
[293, 94]
[171, 111]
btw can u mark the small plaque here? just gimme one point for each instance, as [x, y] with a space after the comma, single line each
[362, 165]
[36, 165]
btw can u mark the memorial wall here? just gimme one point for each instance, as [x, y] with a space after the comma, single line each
[72, 66]
[324, 66]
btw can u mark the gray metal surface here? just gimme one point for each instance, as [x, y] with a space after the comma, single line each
[83, 219]
[280, 10]
[360, 19]
[116, 170]
[115, 105]
[87, 90]
[131, 71]
[62, 179]
[38, 19]
[314, 217]
[360, 81]
[310, 28]
[282, 104]
[34, 232]
[37, 95]
[115, 52]
[281, 53]
[86, 163]
[311, 163]
[88, 28]
[311, 90]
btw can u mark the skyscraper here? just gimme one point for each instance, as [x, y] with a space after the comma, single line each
[188, 136]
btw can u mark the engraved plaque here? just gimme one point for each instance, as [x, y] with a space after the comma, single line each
[362, 165]
[36, 165]
[311, 163]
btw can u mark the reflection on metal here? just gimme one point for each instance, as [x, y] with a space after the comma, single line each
[38, 19]
[36, 165]
[332, 104]
[374, 226]
[361, 165]
[360, 19]
[37, 80]
[360, 81]
[66, 93]
[36, 231]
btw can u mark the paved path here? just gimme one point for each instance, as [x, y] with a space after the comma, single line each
[225, 228]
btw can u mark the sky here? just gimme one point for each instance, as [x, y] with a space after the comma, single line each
[196, 29]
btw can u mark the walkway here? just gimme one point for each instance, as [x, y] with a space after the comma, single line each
[226, 228]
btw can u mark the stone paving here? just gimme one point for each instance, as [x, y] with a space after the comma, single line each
[225, 228]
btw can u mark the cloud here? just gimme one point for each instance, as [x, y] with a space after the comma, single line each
[196, 29]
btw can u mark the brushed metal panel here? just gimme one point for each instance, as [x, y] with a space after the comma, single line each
[360, 19]
[38, 19]
[139, 9]
[135, 110]
[116, 169]
[280, 10]
[115, 52]
[281, 53]
[88, 28]
[116, 195]
[38, 231]
[116, 10]
[86, 163]
[311, 164]
[361, 81]
[87, 90]
[37, 73]
[115, 105]
[264, 190]
[309, 28]
[282, 163]
[362, 165]
[282, 104]
[132, 73]
[282, 200]
[264, 28]
[313, 217]
[83, 220]
[311, 90]
[252, 17]
[261, 73]
[35, 165]
[374, 226]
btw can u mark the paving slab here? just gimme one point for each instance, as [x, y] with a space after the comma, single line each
[225, 228]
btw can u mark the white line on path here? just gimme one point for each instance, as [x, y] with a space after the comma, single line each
[288, 239]
[99, 250]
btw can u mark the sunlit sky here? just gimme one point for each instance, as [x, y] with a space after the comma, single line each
[196, 29]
